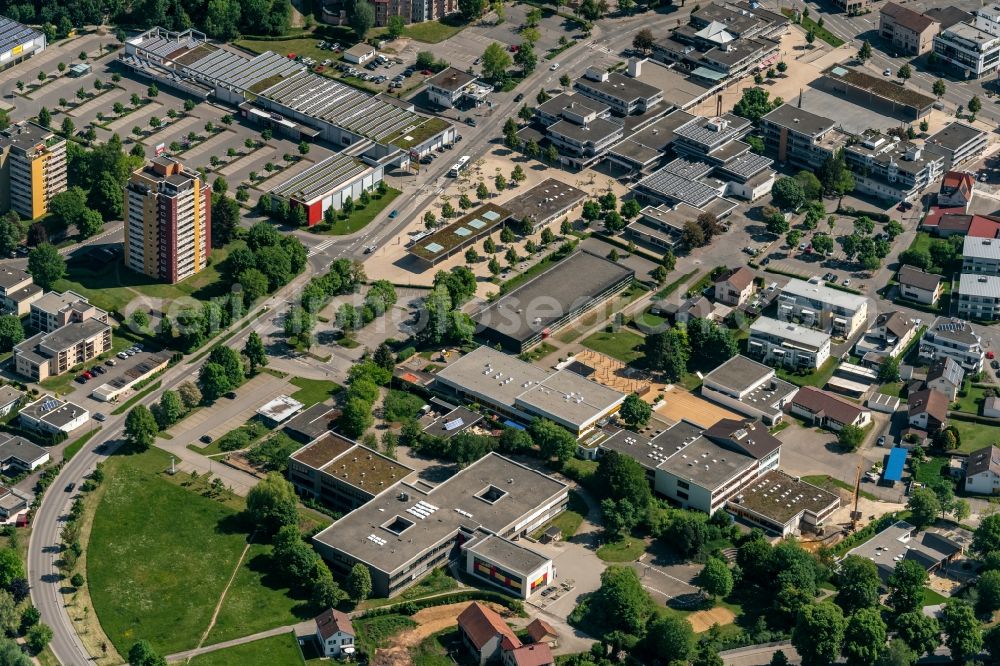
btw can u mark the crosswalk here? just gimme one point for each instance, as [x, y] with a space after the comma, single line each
[316, 249]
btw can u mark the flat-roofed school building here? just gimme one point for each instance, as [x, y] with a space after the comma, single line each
[514, 389]
[550, 301]
[475, 515]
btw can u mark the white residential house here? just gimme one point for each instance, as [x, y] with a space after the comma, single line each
[734, 287]
[945, 376]
[954, 338]
[334, 633]
[920, 286]
[888, 335]
[775, 342]
[982, 471]
[815, 305]
[359, 54]
[827, 410]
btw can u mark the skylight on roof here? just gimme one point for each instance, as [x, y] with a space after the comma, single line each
[491, 215]
[463, 232]
[398, 525]
[433, 247]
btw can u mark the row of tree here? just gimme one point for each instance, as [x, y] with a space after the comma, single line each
[698, 345]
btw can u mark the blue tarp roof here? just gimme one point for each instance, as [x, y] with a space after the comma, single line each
[511, 424]
[894, 466]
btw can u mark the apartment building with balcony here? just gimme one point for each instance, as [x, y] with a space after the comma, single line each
[971, 48]
[413, 11]
[54, 310]
[775, 342]
[47, 355]
[981, 256]
[32, 169]
[955, 339]
[957, 143]
[890, 168]
[815, 305]
[979, 297]
[167, 221]
[17, 291]
[800, 138]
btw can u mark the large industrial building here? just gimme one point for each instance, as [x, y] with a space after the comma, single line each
[32, 169]
[18, 42]
[537, 309]
[475, 516]
[168, 229]
[282, 94]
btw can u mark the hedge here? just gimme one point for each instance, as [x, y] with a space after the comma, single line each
[864, 534]
[974, 418]
[874, 216]
[411, 607]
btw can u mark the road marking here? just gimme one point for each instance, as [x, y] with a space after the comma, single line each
[316, 249]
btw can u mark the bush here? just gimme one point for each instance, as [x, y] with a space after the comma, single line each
[402, 406]
[405, 353]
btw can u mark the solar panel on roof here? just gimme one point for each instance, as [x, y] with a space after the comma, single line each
[451, 425]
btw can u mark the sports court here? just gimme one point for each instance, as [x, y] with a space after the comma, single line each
[679, 403]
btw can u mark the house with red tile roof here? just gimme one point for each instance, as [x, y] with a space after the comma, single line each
[485, 633]
[541, 631]
[335, 633]
[956, 190]
[827, 410]
[533, 654]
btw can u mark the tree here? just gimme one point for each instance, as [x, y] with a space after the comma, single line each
[858, 583]
[643, 40]
[963, 633]
[90, 223]
[11, 568]
[906, 587]
[359, 583]
[214, 381]
[788, 193]
[496, 62]
[525, 58]
[635, 411]
[189, 395]
[254, 351]
[776, 223]
[622, 603]
[396, 26]
[471, 9]
[904, 72]
[44, 117]
[667, 352]
[779, 659]
[11, 332]
[143, 654]
[356, 417]
[692, 234]
[864, 637]
[169, 410]
[715, 578]
[939, 88]
[754, 104]
[38, 637]
[686, 534]
[362, 18]
[865, 53]
[920, 632]
[107, 197]
[271, 504]
[46, 265]
[140, 428]
[819, 634]
[671, 635]
[553, 440]
[888, 370]
[975, 106]
[810, 37]
[850, 437]
[988, 590]
[924, 507]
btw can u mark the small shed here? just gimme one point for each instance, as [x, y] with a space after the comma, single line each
[880, 402]
[79, 69]
[551, 534]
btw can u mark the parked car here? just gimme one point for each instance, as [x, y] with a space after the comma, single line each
[80, 379]
[99, 416]
[112, 362]
[990, 355]
[98, 369]
[207, 439]
[369, 249]
[231, 395]
[122, 355]
[470, 121]
[881, 440]
[887, 72]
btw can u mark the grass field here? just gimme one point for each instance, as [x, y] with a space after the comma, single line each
[929, 471]
[626, 550]
[373, 632]
[75, 446]
[569, 520]
[302, 46]
[114, 286]
[434, 650]
[429, 32]
[932, 598]
[256, 602]
[160, 555]
[975, 435]
[538, 352]
[438, 581]
[622, 345]
[312, 391]
[817, 378]
[831, 484]
[360, 217]
[973, 400]
[280, 650]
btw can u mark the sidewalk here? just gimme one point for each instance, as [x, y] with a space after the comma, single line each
[306, 628]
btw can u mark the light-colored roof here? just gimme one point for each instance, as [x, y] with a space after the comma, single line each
[820, 292]
[974, 284]
[793, 333]
[981, 248]
[280, 408]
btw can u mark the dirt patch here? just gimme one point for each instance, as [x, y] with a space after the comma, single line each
[679, 403]
[429, 621]
[703, 620]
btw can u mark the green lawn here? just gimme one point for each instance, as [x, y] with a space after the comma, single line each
[831, 484]
[622, 345]
[75, 446]
[257, 601]
[817, 378]
[312, 391]
[895, 389]
[431, 32]
[280, 650]
[435, 650]
[929, 471]
[360, 217]
[113, 286]
[301, 46]
[538, 352]
[647, 320]
[569, 520]
[159, 556]
[975, 435]
[972, 402]
[626, 550]
[932, 598]
[438, 581]
[821, 32]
